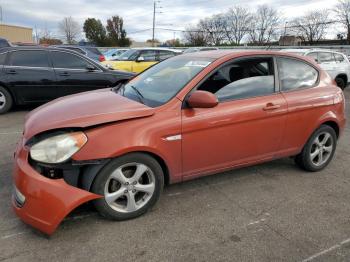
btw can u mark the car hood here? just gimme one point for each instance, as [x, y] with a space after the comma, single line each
[83, 110]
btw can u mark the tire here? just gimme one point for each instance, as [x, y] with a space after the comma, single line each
[340, 82]
[119, 186]
[319, 150]
[6, 100]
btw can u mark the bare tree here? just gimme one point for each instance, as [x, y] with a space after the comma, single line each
[237, 20]
[342, 12]
[70, 29]
[214, 29]
[193, 36]
[312, 27]
[264, 25]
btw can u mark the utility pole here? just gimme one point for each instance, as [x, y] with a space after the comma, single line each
[154, 21]
[154, 18]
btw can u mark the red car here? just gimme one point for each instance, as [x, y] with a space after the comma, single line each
[189, 116]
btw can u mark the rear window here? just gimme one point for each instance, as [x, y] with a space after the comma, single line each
[295, 74]
[93, 50]
[339, 58]
[30, 58]
[4, 43]
[2, 58]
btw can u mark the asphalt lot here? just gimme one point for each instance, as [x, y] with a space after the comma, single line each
[270, 212]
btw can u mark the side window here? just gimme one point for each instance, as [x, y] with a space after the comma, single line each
[339, 58]
[165, 54]
[295, 74]
[242, 79]
[75, 49]
[67, 60]
[149, 55]
[30, 58]
[325, 57]
[313, 55]
[2, 58]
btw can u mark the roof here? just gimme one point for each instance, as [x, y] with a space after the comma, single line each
[157, 48]
[229, 54]
[4, 49]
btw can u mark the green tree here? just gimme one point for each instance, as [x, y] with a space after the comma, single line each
[116, 32]
[95, 32]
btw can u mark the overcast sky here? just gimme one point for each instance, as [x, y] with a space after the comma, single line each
[137, 14]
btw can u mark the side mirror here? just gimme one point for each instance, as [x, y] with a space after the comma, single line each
[202, 99]
[90, 68]
[140, 59]
[114, 55]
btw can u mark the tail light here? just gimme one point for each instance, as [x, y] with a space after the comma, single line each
[101, 58]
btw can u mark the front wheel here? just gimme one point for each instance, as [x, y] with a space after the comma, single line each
[130, 185]
[319, 149]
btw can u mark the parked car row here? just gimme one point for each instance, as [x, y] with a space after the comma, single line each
[92, 52]
[189, 116]
[114, 53]
[38, 74]
[139, 59]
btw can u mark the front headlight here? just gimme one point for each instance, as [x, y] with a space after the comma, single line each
[58, 148]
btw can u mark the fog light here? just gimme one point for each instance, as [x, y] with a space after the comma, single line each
[19, 197]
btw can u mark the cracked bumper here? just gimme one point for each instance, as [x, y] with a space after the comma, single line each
[47, 201]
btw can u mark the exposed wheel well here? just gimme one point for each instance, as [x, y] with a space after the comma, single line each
[333, 125]
[344, 77]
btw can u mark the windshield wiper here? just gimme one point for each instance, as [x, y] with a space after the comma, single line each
[118, 87]
[139, 94]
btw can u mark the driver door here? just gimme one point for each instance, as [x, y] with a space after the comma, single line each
[246, 126]
[73, 76]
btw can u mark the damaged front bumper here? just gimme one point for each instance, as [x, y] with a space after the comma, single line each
[40, 201]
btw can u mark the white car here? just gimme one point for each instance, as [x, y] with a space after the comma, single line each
[336, 64]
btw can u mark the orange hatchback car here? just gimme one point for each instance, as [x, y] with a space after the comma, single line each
[188, 116]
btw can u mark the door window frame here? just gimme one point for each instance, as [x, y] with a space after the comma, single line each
[302, 61]
[232, 61]
[10, 53]
[98, 69]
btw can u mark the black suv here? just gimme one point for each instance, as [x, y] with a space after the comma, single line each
[40, 74]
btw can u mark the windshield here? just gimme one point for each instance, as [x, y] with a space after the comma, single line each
[158, 84]
[129, 55]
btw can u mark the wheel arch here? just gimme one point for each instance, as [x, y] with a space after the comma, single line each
[333, 124]
[10, 92]
[91, 172]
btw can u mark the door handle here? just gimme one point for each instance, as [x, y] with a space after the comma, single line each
[271, 106]
[11, 72]
[64, 74]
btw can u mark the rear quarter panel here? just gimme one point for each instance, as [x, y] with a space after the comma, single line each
[308, 109]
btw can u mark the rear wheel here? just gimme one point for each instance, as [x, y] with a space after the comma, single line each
[319, 150]
[130, 185]
[6, 100]
[340, 82]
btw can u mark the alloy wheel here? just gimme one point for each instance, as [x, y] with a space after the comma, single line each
[321, 149]
[129, 187]
[2, 100]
